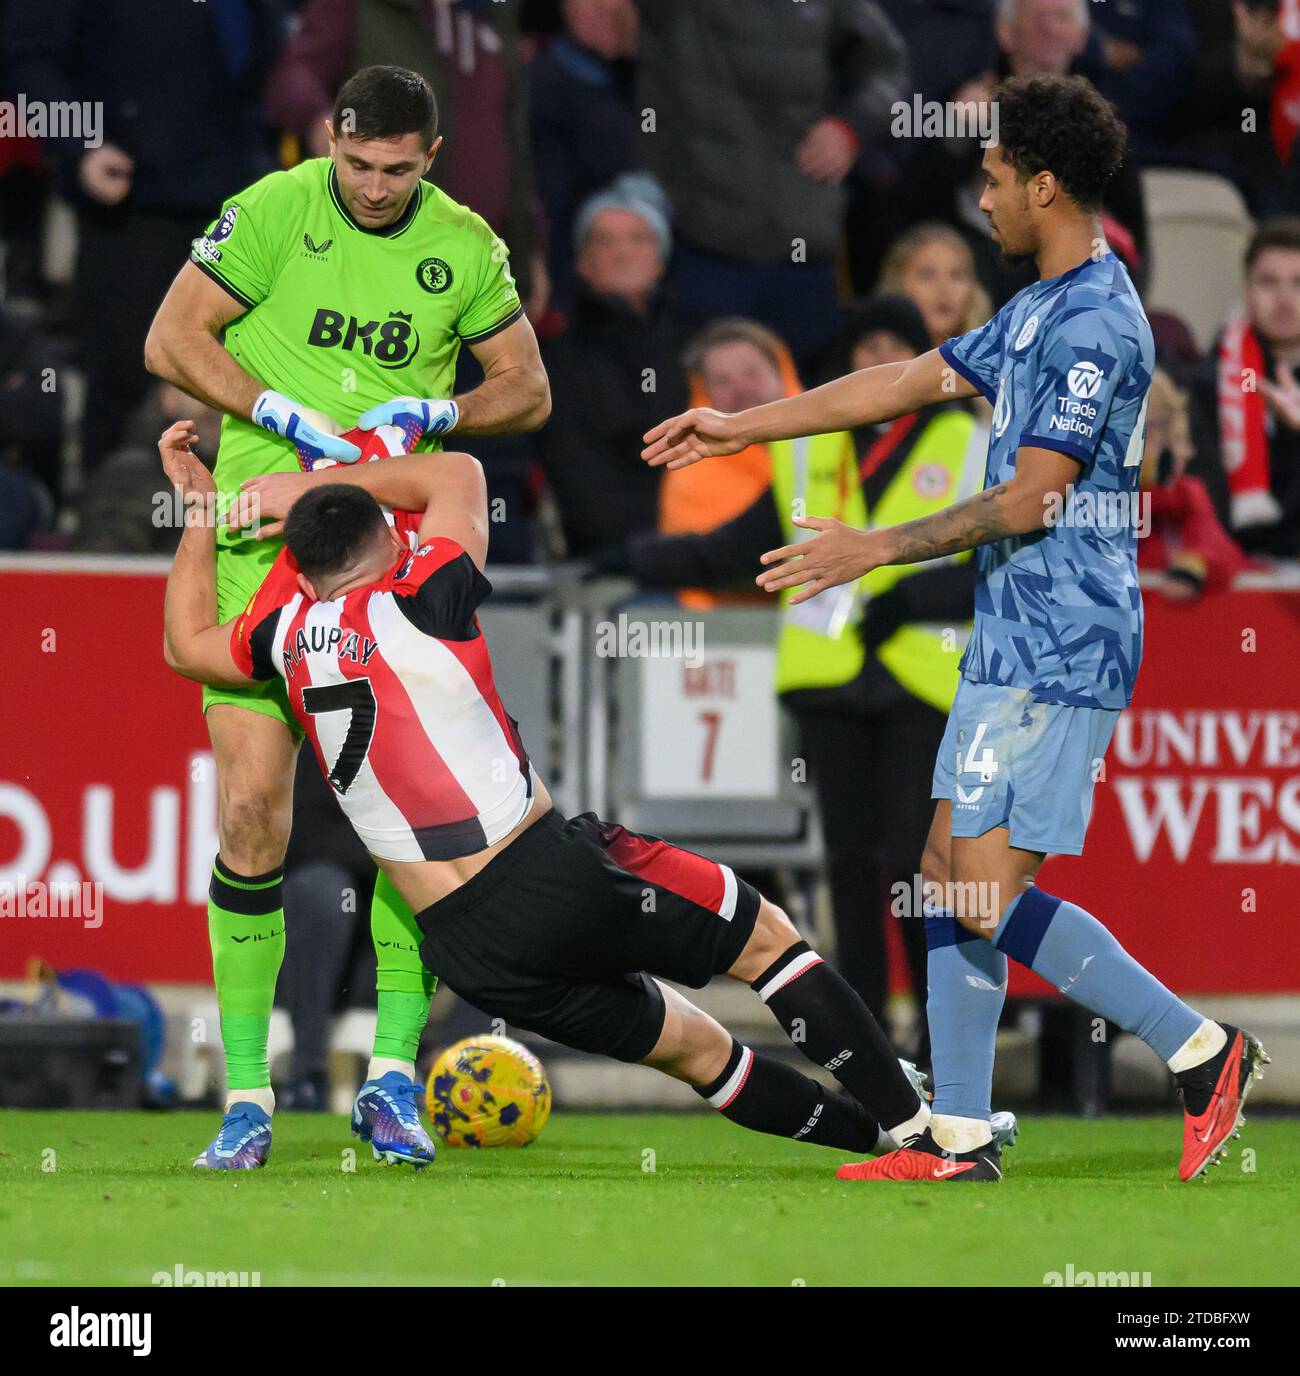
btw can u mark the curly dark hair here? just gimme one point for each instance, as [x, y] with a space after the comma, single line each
[1061, 125]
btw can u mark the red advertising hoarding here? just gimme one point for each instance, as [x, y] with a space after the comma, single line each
[1193, 851]
[105, 776]
[1193, 855]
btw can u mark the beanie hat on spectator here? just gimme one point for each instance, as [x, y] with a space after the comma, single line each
[638, 192]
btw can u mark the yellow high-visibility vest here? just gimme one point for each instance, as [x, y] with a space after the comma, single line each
[817, 475]
[819, 645]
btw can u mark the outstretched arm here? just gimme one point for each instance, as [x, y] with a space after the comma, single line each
[194, 645]
[862, 398]
[841, 554]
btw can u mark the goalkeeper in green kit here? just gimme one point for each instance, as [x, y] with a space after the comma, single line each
[340, 291]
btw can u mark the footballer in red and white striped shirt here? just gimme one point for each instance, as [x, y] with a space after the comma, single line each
[566, 927]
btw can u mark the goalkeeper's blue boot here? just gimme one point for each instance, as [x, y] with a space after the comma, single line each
[386, 1113]
[242, 1143]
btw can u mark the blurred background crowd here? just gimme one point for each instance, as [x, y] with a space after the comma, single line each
[704, 201]
[707, 202]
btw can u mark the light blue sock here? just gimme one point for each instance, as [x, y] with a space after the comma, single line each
[1072, 950]
[967, 978]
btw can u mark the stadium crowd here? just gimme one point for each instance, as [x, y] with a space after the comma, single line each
[655, 169]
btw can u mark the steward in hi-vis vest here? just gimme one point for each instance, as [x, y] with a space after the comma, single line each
[868, 671]
[913, 618]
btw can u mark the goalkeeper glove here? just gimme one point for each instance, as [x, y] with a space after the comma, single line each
[275, 412]
[413, 416]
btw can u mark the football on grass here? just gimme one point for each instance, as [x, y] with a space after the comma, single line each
[488, 1092]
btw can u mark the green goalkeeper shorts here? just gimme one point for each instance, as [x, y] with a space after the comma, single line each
[242, 564]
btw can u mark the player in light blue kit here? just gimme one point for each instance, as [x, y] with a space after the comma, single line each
[1057, 637]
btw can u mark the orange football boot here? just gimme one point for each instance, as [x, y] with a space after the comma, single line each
[1217, 1090]
[923, 1159]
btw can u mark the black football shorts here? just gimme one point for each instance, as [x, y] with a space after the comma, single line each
[560, 932]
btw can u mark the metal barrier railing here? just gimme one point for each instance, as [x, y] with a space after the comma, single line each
[660, 716]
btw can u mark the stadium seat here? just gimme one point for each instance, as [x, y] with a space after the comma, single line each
[1199, 227]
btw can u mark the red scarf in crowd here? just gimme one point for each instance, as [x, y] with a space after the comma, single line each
[1243, 433]
[1284, 101]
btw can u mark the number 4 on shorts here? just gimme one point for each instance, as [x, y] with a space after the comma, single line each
[986, 766]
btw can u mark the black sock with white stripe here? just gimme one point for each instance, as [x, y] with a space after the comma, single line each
[829, 1023]
[766, 1095]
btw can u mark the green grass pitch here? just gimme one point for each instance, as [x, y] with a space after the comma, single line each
[638, 1199]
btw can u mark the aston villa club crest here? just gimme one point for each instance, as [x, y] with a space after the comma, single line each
[433, 275]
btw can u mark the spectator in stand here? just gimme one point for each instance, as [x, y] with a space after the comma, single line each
[1186, 542]
[939, 68]
[731, 365]
[759, 112]
[868, 681]
[933, 266]
[177, 85]
[24, 202]
[886, 193]
[1141, 56]
[469, 52]
[1255, 399]
[1034, 38]
[21, 512]
[125, 507]
[1237, 48]
[889, 328]
[1256, 65]
[34, 390]
[613, 370]
[583, 120]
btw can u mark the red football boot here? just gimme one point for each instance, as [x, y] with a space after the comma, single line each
[1213, 1096]
[924, 1159]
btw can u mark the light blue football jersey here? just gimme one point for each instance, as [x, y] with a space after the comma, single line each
[1067, 364]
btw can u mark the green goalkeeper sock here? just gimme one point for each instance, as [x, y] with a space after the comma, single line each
[246, 932]
[404, 987]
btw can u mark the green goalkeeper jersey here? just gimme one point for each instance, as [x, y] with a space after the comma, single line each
[339, 317]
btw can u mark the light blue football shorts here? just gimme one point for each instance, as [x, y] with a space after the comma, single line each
[1008, 761]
